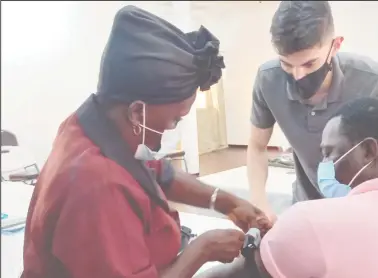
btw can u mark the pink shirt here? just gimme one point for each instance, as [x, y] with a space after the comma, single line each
[330, 238]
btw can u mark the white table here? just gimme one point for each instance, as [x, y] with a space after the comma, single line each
[17, 160]
[200, 224]
[15, 198]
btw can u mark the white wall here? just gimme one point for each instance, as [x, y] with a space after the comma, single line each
[50, 62]
[243, 28]
[51, 54]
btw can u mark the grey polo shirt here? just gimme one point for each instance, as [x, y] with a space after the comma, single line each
[274, 100]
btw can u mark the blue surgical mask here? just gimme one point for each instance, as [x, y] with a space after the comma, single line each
[143, 152]
[327, 182]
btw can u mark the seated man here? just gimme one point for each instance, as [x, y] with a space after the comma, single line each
[329, 237]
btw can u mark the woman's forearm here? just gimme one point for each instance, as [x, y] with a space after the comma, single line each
[188, 262]
[188, 190]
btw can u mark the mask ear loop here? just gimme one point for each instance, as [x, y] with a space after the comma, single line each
[348, 152]
[359, 172]
[363, 168]
[329, 53]
[153, 130]
[144, 123]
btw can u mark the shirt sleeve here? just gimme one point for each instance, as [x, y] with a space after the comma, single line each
[261, 116]
[291, 248]
[98, 234]
[375, 91]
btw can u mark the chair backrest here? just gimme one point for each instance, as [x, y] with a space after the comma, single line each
[8, 138]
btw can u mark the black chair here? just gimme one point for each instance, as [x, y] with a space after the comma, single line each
[8, 138]
[177, 155]
[26, 178]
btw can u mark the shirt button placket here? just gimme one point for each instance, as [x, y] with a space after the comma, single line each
[311, 120]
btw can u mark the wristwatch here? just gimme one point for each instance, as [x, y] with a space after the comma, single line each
[186, 236]
[251, 242]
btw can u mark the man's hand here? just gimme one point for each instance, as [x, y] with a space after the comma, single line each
[264, 205]
[189, 190]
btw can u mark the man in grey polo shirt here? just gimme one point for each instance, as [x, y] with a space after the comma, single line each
[300, 91]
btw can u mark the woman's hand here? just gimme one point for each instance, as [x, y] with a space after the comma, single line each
[221, 245]
[246, 216]
[189, 190]
[216, 245]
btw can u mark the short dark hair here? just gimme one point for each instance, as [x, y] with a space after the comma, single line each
[300, 25]
[359, 119]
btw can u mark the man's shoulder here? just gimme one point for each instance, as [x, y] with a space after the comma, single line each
[271, 66]
[358, 63]
[270, 71]
[322, 211]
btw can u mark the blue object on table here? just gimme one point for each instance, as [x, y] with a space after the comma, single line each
[13, 228]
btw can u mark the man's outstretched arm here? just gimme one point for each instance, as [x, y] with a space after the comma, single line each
[240, 268]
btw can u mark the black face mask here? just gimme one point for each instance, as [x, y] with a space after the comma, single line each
[308, 85]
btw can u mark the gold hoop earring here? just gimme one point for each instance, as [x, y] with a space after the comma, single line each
[137, 130]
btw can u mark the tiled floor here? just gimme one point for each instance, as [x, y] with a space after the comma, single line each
[226, 159]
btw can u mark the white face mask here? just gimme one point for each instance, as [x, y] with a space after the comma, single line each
[143, 152]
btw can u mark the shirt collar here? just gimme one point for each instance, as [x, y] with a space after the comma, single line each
[367, 186]
[105, 135]
[335, 90]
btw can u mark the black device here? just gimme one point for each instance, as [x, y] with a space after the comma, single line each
[186, 236]
[251, 242]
